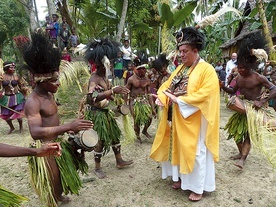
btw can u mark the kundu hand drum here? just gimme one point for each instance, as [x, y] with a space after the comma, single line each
[85, 140]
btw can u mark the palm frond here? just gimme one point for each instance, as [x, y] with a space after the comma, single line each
[211, 19]
[71, 72]
[262, 130]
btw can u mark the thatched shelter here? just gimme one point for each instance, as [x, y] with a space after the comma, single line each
[243, 31]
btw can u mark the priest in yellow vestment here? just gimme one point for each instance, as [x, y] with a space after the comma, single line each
[187, 138]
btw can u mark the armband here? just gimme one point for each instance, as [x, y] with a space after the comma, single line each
[272, 87]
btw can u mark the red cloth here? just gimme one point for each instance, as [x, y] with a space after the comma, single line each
[93, 66]
[66, 57]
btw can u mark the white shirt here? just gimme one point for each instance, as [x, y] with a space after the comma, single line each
[229, 66]
[127, 56]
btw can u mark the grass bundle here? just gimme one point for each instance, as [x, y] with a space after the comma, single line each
[262, 133]
[68, 164]
[40, 178]
[130, 135]
[10, 199]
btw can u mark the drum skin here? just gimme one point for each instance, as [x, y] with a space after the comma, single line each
[89, 138]
[123, 109]
[85, 140]
[236, 104]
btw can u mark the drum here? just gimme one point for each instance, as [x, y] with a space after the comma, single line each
[123, 109]
[236, 104]
[85, 140]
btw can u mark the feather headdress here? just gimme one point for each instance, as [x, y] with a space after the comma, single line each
[260, 54]
[40, 56]
[160, 62]
[191, 36]
[97, 49]
[246, 54]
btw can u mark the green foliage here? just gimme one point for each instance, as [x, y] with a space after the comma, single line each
[180, 15]
[270, 13]
[13, 22]
[70, 98]
[166, 15]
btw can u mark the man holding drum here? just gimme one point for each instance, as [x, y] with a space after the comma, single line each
[250, 84]
[99, 94]
[50, 178]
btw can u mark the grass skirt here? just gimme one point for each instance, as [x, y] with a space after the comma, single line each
[142, 113]
[41, 176]
[237, 127]
[105, 125]
[15, 102]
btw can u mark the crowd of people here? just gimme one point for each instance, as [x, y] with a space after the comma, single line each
[61, 34]
[186, 142]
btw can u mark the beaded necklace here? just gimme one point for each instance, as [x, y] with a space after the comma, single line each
[182, 74]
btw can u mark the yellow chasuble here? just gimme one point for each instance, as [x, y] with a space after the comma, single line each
[202, 92]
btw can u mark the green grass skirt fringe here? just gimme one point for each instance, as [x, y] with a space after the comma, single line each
[9, 199]
[41, 176]
[105, 125]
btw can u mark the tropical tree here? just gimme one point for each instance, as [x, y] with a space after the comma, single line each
[13, 22]
[123, 13]
[270, 8]
[172, 20]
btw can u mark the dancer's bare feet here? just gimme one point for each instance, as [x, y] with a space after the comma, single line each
[236, 157]
[147, 134]
[240, 164]
[176, 185]
[139, 140]
[11, 130]
[64, 199]
[99, 173]
[121, 163]
[195, 197]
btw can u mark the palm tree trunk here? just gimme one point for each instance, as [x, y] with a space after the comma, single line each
[122, 21]
[64, 11]
[260, 6]
[30, 10]
[51, 7]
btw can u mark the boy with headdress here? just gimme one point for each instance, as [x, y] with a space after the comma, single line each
[99, 94]
[140, 101]
[187, 141]
[41, 110]
[250, 84]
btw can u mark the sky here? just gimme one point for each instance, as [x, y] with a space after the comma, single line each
[41, 8]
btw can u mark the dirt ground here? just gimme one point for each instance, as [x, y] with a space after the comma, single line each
[140, 185]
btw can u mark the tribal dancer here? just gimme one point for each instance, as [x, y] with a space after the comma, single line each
[99, 94]
[250, 84]
[12, 97]
[140, 101]
[51, 176]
